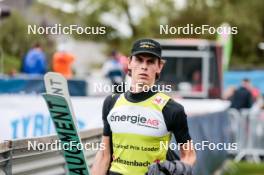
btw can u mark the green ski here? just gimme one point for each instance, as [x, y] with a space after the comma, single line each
[61, 111]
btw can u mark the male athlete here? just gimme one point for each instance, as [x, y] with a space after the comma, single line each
[138, 123]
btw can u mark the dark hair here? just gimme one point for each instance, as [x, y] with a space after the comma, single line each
[37, 45]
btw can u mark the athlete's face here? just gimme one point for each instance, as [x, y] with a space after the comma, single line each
[144, 68]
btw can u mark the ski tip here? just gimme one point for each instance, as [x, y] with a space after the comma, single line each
[53, 74]
[56, 84]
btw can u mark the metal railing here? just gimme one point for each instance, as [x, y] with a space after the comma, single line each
[17, 159]
[247, 130]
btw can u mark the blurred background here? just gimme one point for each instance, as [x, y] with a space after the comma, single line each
[218, 78]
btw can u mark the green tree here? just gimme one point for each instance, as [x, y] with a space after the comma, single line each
[246, 15]
[15, 41]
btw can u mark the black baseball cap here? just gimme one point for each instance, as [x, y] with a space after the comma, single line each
[146, 46]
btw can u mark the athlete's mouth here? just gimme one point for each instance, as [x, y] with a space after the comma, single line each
[143, 75]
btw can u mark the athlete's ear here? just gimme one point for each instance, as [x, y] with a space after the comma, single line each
[161, 64]
[129, 62]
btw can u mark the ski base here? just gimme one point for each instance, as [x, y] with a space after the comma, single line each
[67, 133]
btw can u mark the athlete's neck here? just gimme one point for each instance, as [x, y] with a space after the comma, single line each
[140, 96]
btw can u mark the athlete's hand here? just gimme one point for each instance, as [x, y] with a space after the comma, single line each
[170, 168]
[153, 169]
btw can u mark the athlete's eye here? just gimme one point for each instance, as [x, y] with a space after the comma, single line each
[139, 59]
[151, 61]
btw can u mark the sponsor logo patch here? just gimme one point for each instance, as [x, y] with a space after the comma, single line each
[136, 119]
[159, 100]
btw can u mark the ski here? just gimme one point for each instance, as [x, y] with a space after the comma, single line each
[59, 104]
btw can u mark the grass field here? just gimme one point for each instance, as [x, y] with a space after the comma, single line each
[245, 168]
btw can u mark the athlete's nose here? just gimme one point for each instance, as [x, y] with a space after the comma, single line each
[144, 65]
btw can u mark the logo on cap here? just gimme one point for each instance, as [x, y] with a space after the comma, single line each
[147, 45]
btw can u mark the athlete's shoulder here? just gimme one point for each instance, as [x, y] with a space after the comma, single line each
[174, 106]
[170, 102]
[108, 104]
[163, 95]
[111, 99]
